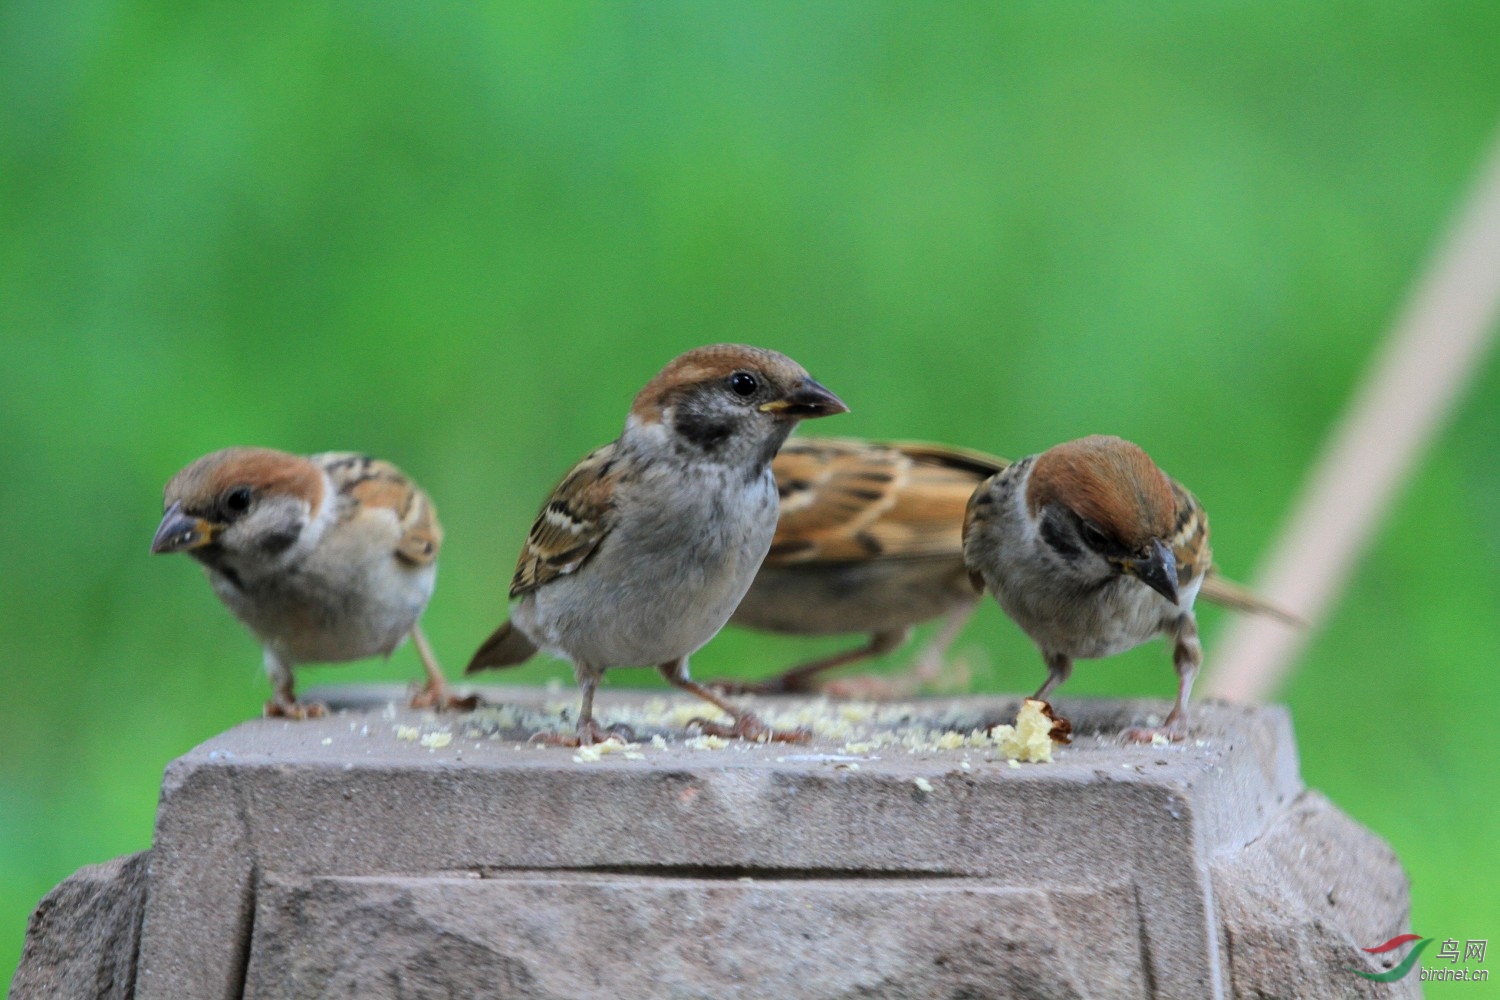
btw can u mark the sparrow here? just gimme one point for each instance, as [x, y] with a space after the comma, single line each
[644, 550]
[324, 558]
[870, 539]
[1092, 550]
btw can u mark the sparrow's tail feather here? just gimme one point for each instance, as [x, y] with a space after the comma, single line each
[506, 648]
[1228, 594]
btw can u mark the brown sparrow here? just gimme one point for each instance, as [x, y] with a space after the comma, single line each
[1092, 550]
[649, 543]
[327, 558]
[871, 540]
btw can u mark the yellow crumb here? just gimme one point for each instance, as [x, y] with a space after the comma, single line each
[856, 711]
[950, 740]
[707, 742]
[436, 741]
[1030, 739]
[407, 732]
[592, 752]
[684, 713]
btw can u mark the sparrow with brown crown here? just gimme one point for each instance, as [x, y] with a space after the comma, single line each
[326, 558]
[644, 550]
[870, 539]
[1092, 550]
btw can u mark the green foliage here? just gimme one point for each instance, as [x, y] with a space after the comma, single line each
[461, 237]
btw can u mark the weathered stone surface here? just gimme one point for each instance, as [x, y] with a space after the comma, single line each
[386, 853]
[566, 935]
[1303, 900]
[81, 939]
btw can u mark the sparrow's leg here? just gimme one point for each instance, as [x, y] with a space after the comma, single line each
[803, 679]
[1187, 656]
[588, 732]
[436, 694]
[929, 668]
[1059, 669]
[284, 703]
[746, 725]
[928, 671]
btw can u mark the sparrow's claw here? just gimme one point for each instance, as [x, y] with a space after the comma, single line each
[749, 727]
[278, 708]
[587, 734]
[1174, 729]
[444, 700]
[1148, 734]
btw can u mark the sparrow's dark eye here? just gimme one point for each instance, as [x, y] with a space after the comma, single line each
[1093, 537]
[237, 500]
[743, 384]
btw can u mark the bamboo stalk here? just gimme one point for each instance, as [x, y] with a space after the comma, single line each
[1417, 378]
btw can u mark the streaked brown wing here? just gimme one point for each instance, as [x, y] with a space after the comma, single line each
[1190, 545]
[845, 500]
[571, 524]
[374, 484]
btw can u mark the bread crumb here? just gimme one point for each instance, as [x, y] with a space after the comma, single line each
[1014, 763]
[407, 732]
[1030, 739]
[592, 752]
[658, 742]
[706, 742]
[923, 785]
[328, 741]
[1160, 740]
[950, 740]
[856, 711]
[436, 741]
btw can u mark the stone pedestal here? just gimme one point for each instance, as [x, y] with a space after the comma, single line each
[382, 852]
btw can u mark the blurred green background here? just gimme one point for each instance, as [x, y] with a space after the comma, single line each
[461, 238]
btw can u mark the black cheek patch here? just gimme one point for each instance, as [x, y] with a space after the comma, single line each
[228, 574]
[1054, 535]
[702, 430]
[278, 542]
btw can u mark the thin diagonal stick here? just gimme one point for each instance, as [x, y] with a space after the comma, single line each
[1415, 381]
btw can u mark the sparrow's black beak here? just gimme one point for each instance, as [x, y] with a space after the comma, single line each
[1157, 570]
[179, 532]
[807, 400]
